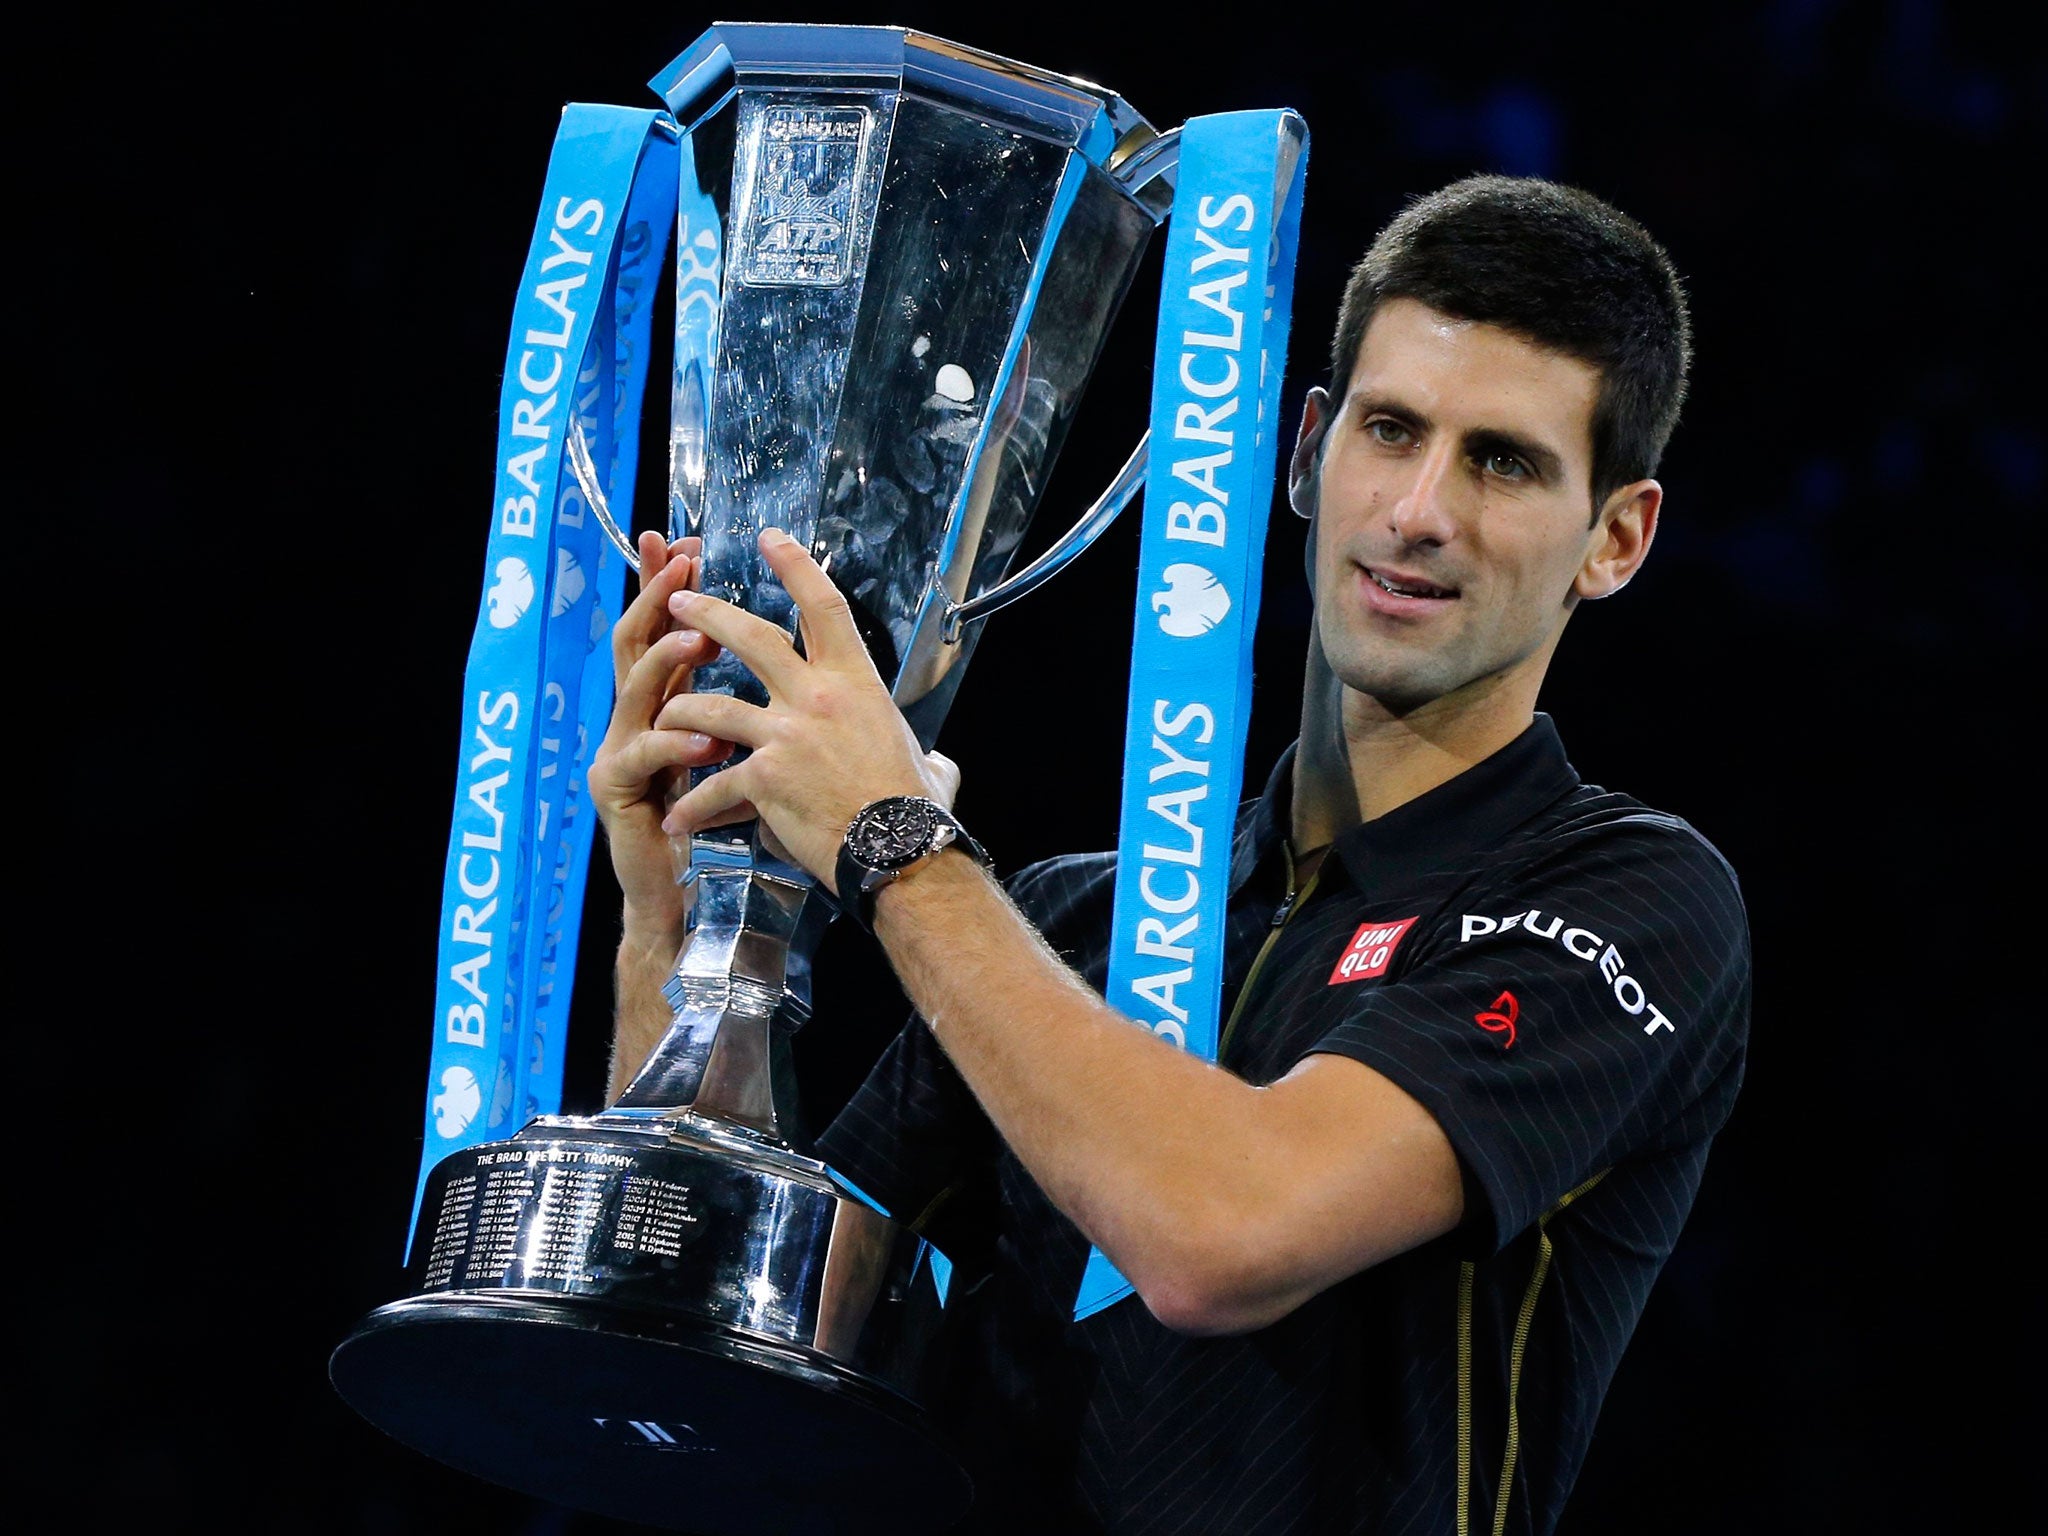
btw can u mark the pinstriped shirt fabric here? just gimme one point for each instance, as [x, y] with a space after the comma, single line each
[1572, 999]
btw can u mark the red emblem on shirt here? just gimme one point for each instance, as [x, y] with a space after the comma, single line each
[1500, 1018]
[1371, 949]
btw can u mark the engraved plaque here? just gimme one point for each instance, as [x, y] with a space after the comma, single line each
[801, 220]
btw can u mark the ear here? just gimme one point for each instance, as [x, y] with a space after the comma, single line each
[1302, 469]
[1620, 539]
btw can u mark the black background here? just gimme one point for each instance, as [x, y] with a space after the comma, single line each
[289, 243]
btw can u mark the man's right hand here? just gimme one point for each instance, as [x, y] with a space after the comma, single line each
[651, 662]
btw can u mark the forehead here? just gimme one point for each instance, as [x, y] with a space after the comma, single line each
[1464, 375]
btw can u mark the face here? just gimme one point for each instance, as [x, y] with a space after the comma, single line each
[1451, 495]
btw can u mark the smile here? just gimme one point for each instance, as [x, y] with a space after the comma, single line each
[1408, 586]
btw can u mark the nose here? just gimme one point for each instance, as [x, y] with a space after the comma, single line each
[1426, 511]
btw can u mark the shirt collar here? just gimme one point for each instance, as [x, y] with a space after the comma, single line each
[1474, 810]
[1260, 846]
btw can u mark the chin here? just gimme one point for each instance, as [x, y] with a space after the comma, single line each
[1397, 690]
[1401, 673]
[1400, 702]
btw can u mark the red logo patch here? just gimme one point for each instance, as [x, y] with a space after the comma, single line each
[1500, 1018]
[1371, 950]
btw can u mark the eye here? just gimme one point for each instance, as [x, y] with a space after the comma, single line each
[1504, 465]
[1389, 433]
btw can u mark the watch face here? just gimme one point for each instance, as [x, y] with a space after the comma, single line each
[893, 832]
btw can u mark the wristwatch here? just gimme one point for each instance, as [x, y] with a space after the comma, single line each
[884, 839]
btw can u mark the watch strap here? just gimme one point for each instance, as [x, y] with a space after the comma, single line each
[856, 882]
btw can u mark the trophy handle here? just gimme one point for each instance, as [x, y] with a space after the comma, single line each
[578, 445]
[1156, 159]
[1128, 482]
[1158, 156]
[585, 471]
[1090, 527]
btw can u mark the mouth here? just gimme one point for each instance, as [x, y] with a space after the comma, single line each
[1410, 588]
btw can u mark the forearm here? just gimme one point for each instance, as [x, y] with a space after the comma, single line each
[1164, 1161]
[1225, 1205]
[646, 959]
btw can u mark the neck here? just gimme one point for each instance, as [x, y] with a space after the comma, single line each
[1359, 760]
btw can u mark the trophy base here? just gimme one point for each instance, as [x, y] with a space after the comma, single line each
[662, 1319]
[665, 1421]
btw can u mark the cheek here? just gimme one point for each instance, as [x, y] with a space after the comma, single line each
[1538, 552]
[1343, 508]
[1326, 541]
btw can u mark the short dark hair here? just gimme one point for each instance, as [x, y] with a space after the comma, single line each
[1559, 267]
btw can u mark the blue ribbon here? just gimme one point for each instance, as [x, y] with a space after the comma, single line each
[584, 602]
[537, 687]
[1216, 429]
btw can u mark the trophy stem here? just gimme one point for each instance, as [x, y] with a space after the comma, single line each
[740, 992]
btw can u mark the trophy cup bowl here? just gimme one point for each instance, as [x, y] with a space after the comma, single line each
[897, 262]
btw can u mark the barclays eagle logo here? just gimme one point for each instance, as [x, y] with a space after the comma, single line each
[457, 1102]
[568, 583]
[501, 1096]
[1193, 602]
[511, 594]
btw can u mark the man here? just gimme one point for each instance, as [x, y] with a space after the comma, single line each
[1483, 1019]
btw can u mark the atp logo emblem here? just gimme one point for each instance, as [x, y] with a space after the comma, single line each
[461, 1096]
[1193, 602]
[511, 594]
[1500, 1018]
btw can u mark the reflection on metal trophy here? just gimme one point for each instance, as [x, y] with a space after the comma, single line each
[898, 260]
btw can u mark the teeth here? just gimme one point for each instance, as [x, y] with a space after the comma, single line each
[1388, 586]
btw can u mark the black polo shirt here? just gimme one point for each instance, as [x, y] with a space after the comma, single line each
[1560, 976]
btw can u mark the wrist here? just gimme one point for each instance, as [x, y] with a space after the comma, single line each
[650, 939]
[934, 880]
[888, 839]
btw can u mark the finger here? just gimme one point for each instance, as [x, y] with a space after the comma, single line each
[646, 618]
[653, 556]
[644, 687]
[765, 647]
[831, 637]
[692, 546]
[744, 811]
[717, 714]
[711, 802]
[640, 758]
[679, 681]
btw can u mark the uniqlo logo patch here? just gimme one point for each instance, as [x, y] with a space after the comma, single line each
[1371, 949]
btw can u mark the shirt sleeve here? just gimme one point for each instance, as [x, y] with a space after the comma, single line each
[1589, 1007]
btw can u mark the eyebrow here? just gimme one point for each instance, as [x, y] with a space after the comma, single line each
[1479, 443]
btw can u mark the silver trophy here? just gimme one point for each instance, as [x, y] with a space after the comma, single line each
[898, 261]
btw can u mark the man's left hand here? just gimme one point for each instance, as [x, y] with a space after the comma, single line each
[830, 739]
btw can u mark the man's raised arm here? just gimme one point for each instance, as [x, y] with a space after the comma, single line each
[1225, 1205]
[651, 660]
